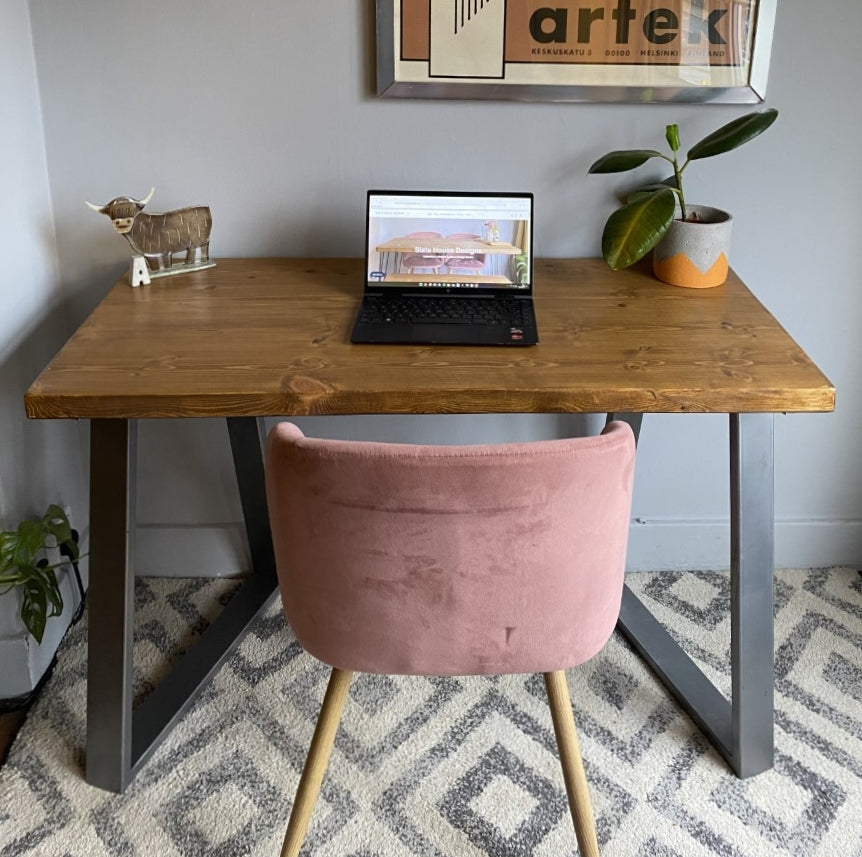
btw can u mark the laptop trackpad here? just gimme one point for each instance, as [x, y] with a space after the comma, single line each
[432, 333]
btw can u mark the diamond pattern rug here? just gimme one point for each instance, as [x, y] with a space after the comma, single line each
[455, 766]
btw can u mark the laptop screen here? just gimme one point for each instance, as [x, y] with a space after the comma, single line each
[453, 241]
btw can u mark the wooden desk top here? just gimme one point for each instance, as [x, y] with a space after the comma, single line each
[267, 337]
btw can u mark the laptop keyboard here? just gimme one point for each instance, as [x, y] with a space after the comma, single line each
[433, 310]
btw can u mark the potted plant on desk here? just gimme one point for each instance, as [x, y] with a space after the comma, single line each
[691, 242]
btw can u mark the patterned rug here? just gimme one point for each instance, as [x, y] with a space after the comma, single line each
[438, 767]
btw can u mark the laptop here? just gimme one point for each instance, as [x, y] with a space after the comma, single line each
[448, 268]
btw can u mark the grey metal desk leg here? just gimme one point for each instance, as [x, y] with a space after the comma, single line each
[169, 702]
[247, 439]
[752, 565]
[119, 741]
[742, 729]
[634, 420]
[110, 604]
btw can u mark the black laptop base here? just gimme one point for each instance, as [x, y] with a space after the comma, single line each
[468, 321]
[441, 334]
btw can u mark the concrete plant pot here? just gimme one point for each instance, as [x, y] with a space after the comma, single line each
[694, 254]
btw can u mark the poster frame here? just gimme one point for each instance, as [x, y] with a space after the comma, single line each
[392, 82]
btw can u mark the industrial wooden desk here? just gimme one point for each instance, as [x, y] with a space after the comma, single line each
[270, 337]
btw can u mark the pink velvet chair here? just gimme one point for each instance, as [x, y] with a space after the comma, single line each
[472, 263]
[426, 261]
[450, 560]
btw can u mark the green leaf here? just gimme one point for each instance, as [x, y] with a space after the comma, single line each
[74, 551]
[39, 591]
[733, 134]
[57, 524]
[23, 564]
[671, 134]
[633, 230]
[651, 188]
[34, 609]
[29, 541]
[624, 159]
[55, 597]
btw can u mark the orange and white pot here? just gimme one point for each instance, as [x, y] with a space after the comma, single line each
[694, 254]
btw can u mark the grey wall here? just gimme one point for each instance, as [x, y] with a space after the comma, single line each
[39, 463]
[266, 112]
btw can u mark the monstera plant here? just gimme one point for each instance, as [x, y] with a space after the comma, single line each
[639, 225]
[25, 566]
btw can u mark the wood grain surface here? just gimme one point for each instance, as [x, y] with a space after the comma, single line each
[270, 337]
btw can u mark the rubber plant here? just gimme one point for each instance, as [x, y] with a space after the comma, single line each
[24, 566]
[642, 221]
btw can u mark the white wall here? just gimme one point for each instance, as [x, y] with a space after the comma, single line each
[40, 463]
[266, 112]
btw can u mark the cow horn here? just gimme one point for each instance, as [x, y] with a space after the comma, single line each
[148, 197]
[94, 207]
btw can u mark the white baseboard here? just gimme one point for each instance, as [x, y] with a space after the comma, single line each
[699, 545]
[220, 550]
[214, 550]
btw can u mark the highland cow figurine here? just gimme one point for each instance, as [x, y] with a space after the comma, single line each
[157, 237]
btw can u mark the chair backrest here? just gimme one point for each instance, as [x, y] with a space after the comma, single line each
[451, 560]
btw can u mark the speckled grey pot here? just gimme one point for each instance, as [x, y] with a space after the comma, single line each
[694, 254]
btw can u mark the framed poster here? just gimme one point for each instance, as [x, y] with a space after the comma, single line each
[575, 50]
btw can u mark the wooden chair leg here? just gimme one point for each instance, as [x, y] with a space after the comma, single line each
[573, 766]
[316, 761]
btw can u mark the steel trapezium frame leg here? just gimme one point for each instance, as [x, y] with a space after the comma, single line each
[110, 603]
[120, 740]
[742, 728]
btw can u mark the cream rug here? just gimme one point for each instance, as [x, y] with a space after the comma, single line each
[438, 767]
